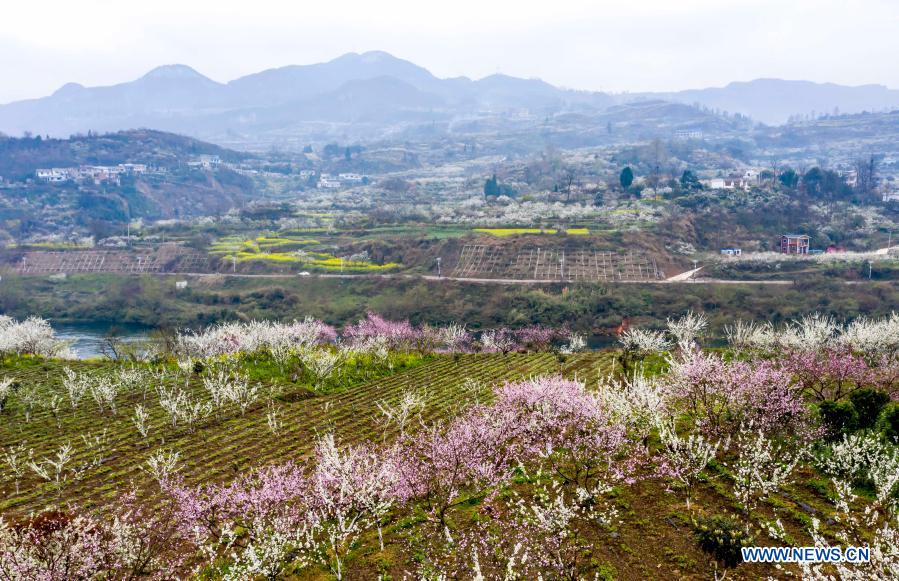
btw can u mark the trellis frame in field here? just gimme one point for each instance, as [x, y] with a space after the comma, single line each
[579, 265]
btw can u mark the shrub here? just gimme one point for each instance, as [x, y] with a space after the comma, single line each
[723, 537]
[889, 421]
[199, 367]
[838, 417]
[868, 404]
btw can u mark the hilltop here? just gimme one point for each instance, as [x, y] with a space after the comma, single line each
[21, 157]
[96, 192]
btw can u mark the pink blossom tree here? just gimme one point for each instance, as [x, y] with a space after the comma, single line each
[400, 335]
[828, 374]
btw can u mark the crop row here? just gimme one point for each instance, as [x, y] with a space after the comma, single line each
[230, 443]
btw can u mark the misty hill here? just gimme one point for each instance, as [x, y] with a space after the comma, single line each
[847, 136]
[372, 95]
[774, 101]
[370, 87]
[20, 157]
[630, 122]
[171, 189]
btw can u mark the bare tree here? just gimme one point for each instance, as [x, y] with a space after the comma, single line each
[774, 165]
[567, 181]
[866, 175]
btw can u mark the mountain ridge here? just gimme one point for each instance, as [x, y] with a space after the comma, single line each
[176, 97]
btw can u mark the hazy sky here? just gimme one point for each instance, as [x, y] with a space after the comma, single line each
[630, 45]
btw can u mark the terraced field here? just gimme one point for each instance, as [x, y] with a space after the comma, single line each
[224, 446]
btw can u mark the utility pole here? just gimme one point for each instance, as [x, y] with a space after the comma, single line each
[870, 268]
[438, 268]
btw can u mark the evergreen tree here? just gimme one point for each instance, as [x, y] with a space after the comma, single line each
[689, 181]
[789, 179]
[491, 187]
[626, 178]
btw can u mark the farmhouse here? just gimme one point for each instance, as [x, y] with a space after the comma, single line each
[51, 175]
[688, 134]
[794, 244]
[329, 184]
[734, 182]
[352, 178]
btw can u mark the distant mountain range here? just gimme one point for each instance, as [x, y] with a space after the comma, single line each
[376, 94]
[774, 101]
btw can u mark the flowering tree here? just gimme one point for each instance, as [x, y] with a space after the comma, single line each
[533, 537]
[15, 459]
[637, 403]
[33, 336]
[688, 330]
[52, 546]
[454, 338]
[684, 458]
[268, 506]
[576, 342]
[350, 491]
[500, 340]
[55, 469]
[322, 364]
[127, 542]
[6, 388]
[277, 338]
[536, 337]
[402, 412]
[827, 375]
[875, 339]
[445, 464]
[637, 344]
[875, 526]
[224, 387]
[760, 468]
[721, 395]
[560, 422]
[400, 335]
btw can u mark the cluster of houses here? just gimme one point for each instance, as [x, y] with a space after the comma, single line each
[752, 177]
[96, 174]
[104, 174]
[329, 182]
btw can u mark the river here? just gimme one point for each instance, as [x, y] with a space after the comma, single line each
[86, 340]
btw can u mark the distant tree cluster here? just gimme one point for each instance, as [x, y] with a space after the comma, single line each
[337, 150]
[492, 188]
